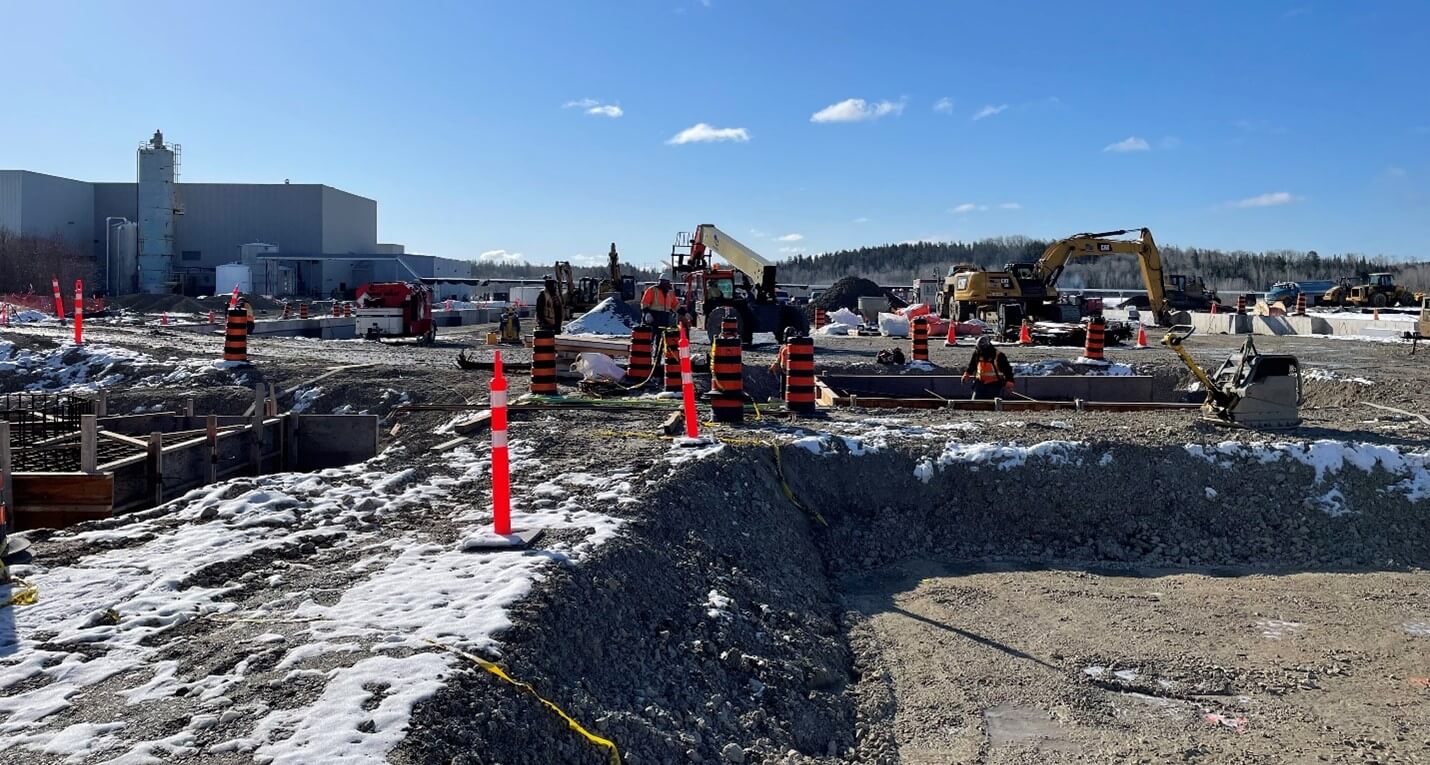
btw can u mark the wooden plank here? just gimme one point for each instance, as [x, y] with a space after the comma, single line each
[156, 467]
[120, 437]
[88, 443]
[470, 426]
[63, 489]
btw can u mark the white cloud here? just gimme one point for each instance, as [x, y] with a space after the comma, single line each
[857, 110]
[989, 111]
[1131, 143]
[501, 257]
[595, 108]
[1272, 199]
[861, 219]
[789, 238]
[588, 260]
[703, 133]
[791, 250]
[943, 105]
[968, 207]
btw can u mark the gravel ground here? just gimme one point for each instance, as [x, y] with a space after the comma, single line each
[933, 611]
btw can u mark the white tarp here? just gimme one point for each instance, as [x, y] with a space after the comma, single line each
[893, 325]
[598, 366]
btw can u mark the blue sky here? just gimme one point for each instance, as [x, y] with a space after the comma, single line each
[552, 129]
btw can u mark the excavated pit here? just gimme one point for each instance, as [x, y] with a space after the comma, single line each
[730, 625]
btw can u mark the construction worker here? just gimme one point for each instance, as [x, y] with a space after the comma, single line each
[550, 311]
[989, 369]
[659, 303]
[248, 308]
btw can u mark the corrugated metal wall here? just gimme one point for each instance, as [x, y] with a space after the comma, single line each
[35, 204]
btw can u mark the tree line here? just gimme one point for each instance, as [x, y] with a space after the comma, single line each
[27, 263]
[1236, 270]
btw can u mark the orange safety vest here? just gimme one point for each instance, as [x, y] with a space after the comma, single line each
[653, 299]
[987, 371]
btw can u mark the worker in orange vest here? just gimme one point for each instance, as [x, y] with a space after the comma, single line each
[989, 369]
[659, 303]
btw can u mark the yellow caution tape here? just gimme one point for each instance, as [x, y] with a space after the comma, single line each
[607, 744]
[27, 595]
[789, 493]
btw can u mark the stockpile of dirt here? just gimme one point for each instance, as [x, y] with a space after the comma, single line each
[144, 303]
[845, 293]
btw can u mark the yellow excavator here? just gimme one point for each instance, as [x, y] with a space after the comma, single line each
[1033, 286]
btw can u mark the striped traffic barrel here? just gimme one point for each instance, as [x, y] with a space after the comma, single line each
[1093, 347]
[727, 379]
[820, 318]
[639, 366]
[235, 336]
[347, 310]
[543, 362]
[921, 339]
[799, 375]
[1241, 304]
[672, 360]
[1301, 304]
[730, 326]
[302, 310]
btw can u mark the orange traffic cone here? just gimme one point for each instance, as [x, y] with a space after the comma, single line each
[952, 338]
[1141, 335]
[1025, 335]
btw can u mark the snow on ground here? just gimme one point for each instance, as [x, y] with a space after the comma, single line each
[109, 612]
[999, 455]
[605, 319]
[1334, 376]
[1080, 366]
[1329, 458]
[96, 365]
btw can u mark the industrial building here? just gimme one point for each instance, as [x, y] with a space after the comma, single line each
[158, 235]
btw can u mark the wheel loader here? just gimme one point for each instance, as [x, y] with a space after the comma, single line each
[1372, 291]
[1250, 389]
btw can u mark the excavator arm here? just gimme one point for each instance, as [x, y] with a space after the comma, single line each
[744, 259]
[1050, 266]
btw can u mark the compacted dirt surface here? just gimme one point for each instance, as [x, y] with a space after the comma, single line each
[867, 585]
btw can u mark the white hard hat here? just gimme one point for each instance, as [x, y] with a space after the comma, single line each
[665, 277]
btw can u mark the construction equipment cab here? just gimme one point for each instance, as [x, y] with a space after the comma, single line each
[396, 309]
[1373, 291]
[745, 289]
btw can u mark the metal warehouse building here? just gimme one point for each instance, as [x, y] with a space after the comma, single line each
[158, 235]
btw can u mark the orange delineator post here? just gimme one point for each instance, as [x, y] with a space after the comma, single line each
[1093, 348]
[233, 299]
[78, 311]
[543, 362]
[59, 301]
[920, 340]
[799, 375]
[687, 385]
[501, 459]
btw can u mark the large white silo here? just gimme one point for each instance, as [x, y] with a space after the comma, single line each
[158, 203]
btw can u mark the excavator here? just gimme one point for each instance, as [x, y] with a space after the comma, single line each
[1033, 286]
[1250, 389]
[745, 289]
[583, 295]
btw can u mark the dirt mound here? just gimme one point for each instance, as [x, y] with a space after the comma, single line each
[846, 292]
[158, 304]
